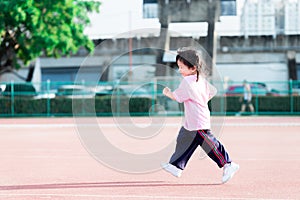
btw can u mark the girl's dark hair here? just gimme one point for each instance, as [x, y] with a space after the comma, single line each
[191, 58]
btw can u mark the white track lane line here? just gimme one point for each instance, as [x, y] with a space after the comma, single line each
[262, 124]
[50, 195]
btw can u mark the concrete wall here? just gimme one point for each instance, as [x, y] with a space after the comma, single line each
[261, 58]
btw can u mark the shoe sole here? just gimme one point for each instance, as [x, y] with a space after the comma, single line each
[232, 174]
[167, 169]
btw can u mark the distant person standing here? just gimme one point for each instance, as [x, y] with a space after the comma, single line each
[247, 97]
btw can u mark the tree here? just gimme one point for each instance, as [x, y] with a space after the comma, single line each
[31, 28]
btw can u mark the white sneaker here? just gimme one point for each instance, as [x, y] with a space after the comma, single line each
[229, 170]
[172, 169]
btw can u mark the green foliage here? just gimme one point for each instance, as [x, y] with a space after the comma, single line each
[262, 104]
[63, 106]
[31, 28]
[103, 106]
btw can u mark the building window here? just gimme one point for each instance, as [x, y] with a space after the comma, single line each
[228, 7]
[150, 9]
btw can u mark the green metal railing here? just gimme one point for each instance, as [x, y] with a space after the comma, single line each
[108, 98]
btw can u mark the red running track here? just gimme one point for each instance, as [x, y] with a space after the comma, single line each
[43, 158]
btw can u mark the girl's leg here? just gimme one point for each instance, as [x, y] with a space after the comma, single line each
[214, 149]
[185, 147]
[251, 107]
[243, 108]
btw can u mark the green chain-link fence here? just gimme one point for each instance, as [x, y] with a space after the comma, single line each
[138, 98]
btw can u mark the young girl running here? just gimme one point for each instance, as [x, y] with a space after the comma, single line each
[195, 92]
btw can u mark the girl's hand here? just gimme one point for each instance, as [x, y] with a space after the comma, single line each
[166, 90]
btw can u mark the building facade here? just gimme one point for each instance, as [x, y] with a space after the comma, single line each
[270, 17]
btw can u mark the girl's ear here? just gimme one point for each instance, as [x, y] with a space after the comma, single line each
[195, 68]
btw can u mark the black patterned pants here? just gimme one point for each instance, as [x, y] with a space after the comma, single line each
[187, 143]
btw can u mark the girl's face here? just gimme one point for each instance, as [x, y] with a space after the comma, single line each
[184, 70]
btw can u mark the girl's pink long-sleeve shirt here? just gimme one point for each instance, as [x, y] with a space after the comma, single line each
[195, 96]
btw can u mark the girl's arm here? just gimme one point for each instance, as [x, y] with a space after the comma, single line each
[167, 92]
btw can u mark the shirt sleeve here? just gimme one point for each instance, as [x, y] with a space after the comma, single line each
[212, 90]
[181, 94]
